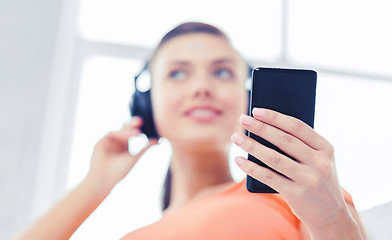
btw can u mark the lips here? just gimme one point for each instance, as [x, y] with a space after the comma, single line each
[203, 113]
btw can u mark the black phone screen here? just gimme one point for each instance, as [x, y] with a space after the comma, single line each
[288, 91]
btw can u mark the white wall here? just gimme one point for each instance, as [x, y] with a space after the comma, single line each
[27, 37]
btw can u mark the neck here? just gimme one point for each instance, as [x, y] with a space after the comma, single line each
[194, 170]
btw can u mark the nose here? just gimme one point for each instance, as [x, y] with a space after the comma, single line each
[202, 86]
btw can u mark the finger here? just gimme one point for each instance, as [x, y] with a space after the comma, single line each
[292, 126]
[122, 136]
[284, 141]
[127, 133]
[265, 175]
[270, 157]
[134, 122]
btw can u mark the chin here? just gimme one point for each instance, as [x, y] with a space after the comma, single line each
[197, 134]
[202, 139]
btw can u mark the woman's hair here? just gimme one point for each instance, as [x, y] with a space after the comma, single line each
[182, 29]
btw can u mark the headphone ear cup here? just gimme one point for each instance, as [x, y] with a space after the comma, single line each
[141, 106]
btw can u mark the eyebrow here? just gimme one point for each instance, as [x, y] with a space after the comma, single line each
[186, 63]
[215, 62]
[223, 60]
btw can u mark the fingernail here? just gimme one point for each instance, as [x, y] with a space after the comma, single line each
[238, 139]
[136, 118]
[239, 160]
[246, 120]
[258, 112]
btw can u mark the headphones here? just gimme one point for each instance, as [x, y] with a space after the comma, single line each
[141, 106]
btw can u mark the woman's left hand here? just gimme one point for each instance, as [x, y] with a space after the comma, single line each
[313, 190]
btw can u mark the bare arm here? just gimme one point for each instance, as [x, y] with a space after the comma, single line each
[305, 232]
[70, 212]
[346, 227]
[110, 163]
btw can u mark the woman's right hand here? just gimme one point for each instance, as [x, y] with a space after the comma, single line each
[110, 163]
[111, 160]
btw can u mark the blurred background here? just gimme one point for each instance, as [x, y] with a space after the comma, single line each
[66, 75]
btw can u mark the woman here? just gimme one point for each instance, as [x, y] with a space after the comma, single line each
[198, 95]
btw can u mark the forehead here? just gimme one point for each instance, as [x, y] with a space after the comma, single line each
[196, 47]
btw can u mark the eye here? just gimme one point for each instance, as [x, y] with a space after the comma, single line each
[177, 74]
[224, 74]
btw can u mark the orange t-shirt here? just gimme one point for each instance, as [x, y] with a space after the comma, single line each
[233, 213]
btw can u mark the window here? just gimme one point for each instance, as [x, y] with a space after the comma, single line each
[143, 23]
[341, 35]
[352, 114]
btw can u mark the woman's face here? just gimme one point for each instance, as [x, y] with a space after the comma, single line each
[198, 89]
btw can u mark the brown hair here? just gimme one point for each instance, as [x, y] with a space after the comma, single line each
[182, 29]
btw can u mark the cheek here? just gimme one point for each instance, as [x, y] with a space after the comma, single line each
[164, 104]
[237, 103]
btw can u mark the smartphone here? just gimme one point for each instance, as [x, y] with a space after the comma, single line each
[288, 91]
